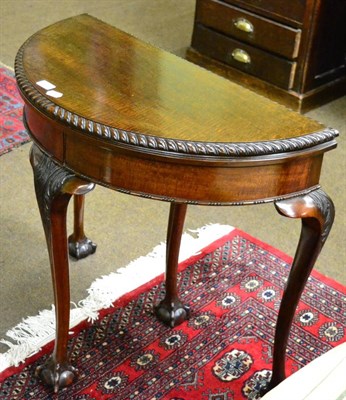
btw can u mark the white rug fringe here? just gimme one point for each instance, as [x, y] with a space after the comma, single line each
[32, 333]
[6, 66]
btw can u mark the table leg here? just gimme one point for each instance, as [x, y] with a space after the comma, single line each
[78, 244]
[316, 210]
[54, 187]
[171, 310]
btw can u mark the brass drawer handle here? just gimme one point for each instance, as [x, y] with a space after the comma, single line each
[241, 56]
[244, 25]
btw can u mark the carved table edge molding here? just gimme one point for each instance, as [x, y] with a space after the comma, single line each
[116, 136]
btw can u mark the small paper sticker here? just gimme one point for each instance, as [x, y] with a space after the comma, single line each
[45, 85]
[54, 93]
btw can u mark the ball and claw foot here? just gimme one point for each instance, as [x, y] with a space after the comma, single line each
[56, 375]
[82, 248]
[172, 313]
[264, 391]
[274, 381]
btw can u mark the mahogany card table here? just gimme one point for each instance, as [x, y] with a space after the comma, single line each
[103, 107]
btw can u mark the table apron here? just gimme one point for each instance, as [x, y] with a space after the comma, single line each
[171, 178]
[201, 183]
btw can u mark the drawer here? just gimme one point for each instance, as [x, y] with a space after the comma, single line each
[246, 58]
[287, 10]
[250, 28]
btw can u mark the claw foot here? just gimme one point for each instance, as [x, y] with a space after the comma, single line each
[82, 248]
[274, 381]
[172, 313]
[56, 375]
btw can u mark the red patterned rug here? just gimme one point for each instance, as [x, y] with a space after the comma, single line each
[12, 132]
[223, 352]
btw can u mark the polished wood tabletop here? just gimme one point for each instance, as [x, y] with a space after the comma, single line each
[103, 107]
[136, 87]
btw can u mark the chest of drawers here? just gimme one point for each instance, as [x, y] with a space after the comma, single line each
[291, 51]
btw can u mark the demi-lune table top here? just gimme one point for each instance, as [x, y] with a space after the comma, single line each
[108, 83]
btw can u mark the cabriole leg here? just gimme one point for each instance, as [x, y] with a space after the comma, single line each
[171, 310]
[54, 187]
[78, 244]
[316, 211]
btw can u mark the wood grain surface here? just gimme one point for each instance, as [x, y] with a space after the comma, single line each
[112, 78]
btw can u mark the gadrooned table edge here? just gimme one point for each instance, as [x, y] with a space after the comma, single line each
[156, 143]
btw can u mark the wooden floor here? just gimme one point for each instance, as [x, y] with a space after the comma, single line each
[127, 227]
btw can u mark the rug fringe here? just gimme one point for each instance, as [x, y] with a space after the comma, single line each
[6, 66]
[29, 336]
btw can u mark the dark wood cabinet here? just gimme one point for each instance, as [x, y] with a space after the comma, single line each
[291, 51]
